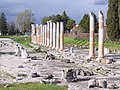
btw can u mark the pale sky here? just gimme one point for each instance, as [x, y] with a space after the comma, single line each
[74, 8]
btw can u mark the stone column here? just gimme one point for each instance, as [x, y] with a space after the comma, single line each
[35, 36]
[38, 33]
[54, 35]
[101, 36]
[32, 33]
[61, 36]
[48, 33]
[51, 34]
[92, 28]
[58, 37]
[41, 26]
[45, 35]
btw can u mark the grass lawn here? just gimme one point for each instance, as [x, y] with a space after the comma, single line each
[25, 40]
[34, 86]
[80, 42]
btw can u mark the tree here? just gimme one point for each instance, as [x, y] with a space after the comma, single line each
[11, 28]
[3, 24]
[119, 16]
[44, 20]
[70, 24]
[112, 21]
[84, 23]
[24, 20]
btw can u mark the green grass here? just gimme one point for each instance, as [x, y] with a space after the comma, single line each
[24, 40]
[79, 42]
[34, 86]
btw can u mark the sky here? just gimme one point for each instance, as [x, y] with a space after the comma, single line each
[75, 9]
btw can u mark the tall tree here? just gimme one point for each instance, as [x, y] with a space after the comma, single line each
[84, 23]
[24, 20]
[11, 29]
[3, 24]
[119, 16]
[68, 22]
[112, 21]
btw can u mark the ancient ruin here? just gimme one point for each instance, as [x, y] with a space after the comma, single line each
[50, 35]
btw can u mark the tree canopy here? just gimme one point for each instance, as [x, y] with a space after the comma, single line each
[68, 22]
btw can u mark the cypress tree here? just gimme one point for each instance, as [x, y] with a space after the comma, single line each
[3, 24]
[119, 16]
[112, 21]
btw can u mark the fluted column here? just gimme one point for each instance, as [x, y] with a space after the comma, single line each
[91, 39]
[51, 34]
[101, 35]
[54, 35]
[58, 37]
[61, 36]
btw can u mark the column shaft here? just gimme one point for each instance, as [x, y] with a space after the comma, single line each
[45, 35]
[51, 34]
[54, 35]
[91, 39]
[58, 37]
[48, 33]
[101, 35]
[61, 36]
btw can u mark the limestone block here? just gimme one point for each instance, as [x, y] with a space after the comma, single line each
[24, 54]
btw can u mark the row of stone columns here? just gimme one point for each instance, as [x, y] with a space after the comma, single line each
[101, 36]
[49, 35]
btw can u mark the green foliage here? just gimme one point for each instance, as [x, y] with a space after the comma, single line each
[24, 40]
[44, 20]
[84, 42]
[112, 21]
[84, 23]
[34, 86]
[68, 22]
[3, 24]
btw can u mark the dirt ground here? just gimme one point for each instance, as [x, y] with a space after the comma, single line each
[15, 69]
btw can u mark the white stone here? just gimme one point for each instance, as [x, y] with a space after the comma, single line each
[24, 54]
[71, 49]
[106, 50]
[17, 50]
